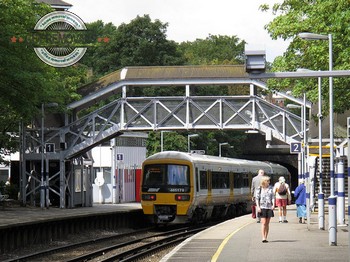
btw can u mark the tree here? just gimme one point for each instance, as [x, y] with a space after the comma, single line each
[25, 81]
[206, 140]
[321, 17]
[172, 141]
[214, 50]
[22, 74]
[101, 58]
[217, 50]
[142, 42]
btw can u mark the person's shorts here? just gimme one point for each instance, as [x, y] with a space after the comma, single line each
[266, 213]
[281, 202]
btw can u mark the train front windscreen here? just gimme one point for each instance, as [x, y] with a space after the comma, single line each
[166, 178]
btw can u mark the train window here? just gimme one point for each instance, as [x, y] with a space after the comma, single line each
[203, 179]
[178, 175]
[245, 180]
[154, 175]
[166, 174]
[238, 180]
[220, 180]
[241, 180]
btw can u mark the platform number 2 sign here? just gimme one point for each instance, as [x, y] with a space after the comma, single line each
[295, 148]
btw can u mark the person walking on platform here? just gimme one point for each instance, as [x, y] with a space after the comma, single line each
[300, 201]
[283, 198]
[256, 181]
[265, 204]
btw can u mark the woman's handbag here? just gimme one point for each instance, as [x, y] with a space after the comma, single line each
[253, 211]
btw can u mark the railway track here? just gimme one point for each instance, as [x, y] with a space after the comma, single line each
[117, 247]
[47, 254]
[141, 248]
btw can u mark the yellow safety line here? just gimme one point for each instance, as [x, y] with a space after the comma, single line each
[223, 244]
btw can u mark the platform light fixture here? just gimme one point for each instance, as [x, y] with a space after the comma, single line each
[220, 145]
[189, 141]
[255, 61]
[162, 139]
[332, 201]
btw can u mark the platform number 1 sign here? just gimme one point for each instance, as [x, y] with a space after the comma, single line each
[120, 157]
[295, 148]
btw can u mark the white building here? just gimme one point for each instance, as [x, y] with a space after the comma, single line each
[116, 168]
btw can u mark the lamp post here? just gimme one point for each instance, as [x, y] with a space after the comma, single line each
[321, 221]
[332, 200]
[220, 145]
[162, 140]
[189, 142]
[42, 187]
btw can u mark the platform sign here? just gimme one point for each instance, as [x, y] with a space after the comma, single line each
[49, 147]
[295, 148]
[120, 157]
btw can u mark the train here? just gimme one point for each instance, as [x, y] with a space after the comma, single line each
[179, 187]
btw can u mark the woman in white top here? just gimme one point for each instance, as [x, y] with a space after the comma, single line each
[265, 204]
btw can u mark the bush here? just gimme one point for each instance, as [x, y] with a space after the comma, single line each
[10, 190]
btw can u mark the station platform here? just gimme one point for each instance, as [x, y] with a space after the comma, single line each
[23, 227]
[17, 216]
[240, 239]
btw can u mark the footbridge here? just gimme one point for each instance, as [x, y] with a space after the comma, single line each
[67, 143]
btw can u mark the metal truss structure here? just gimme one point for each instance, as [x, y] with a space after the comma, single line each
[66, 145]
[181, 113]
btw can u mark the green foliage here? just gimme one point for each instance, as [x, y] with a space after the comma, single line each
[101, 58]
[172, 141]
[10, 190]
[25, 81]
[206, 140]
[142, 42]
[214, 50]
[320, 17]
[23, 77]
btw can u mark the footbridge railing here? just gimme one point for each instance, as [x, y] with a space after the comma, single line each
[176, 113]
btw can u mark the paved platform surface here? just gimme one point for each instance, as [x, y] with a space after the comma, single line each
[239, 239]
[11, 216]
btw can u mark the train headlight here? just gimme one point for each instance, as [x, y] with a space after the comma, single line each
[149, 197]
[179, 197]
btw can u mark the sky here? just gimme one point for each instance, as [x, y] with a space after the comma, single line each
[189, 20]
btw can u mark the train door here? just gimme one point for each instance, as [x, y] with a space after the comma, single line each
[202, 183]
[196, 179]
[231, 187]
[209, 183]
